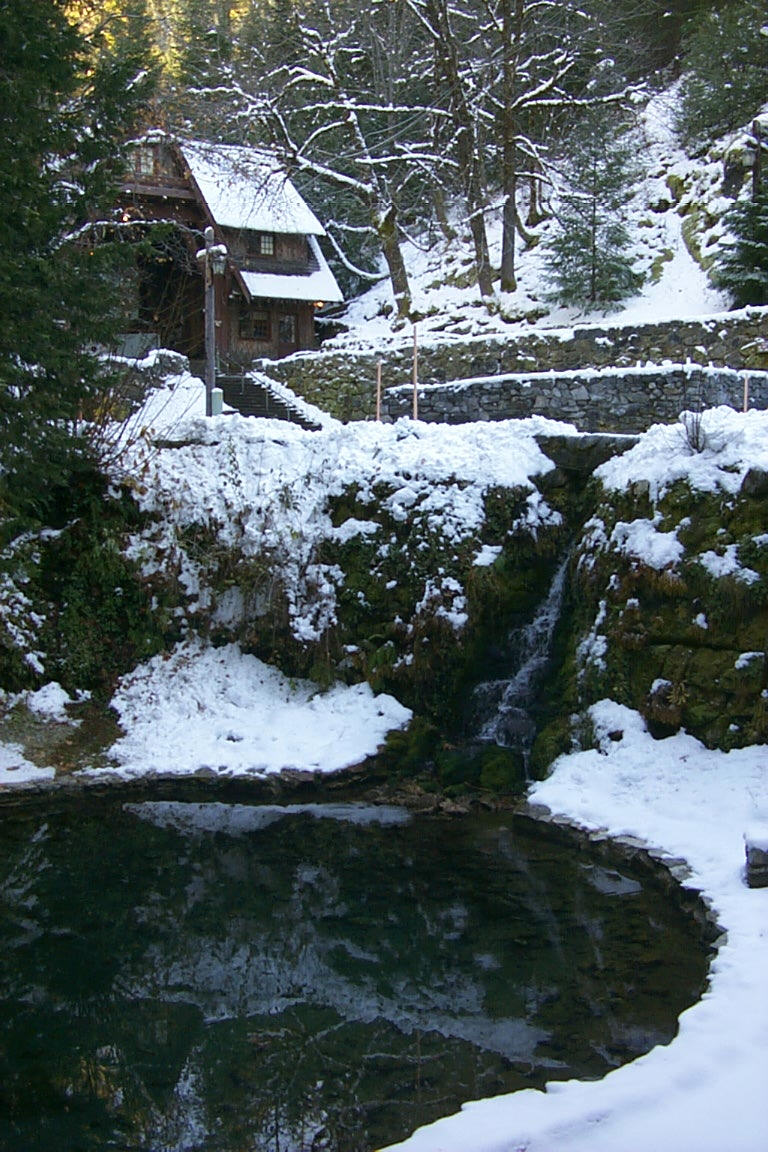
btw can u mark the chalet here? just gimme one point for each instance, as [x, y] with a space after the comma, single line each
[275, 278]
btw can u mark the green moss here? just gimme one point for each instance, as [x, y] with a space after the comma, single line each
[552, 741]
[407, 751]
[657, 266]
[103, 618]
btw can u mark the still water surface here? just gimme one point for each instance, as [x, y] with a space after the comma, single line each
[218, 976]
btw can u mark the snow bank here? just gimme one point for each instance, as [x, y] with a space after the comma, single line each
[733, 442]
[15, 769]
[50, 702]
[263, 487]
[219, 709]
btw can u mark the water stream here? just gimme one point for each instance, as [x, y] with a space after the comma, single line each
[208, 976]
[502, 708]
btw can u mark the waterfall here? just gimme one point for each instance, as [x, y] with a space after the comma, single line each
[502, 708]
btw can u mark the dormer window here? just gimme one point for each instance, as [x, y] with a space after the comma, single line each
[260, 244]
[144, 161]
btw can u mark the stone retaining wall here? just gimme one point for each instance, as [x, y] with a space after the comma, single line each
[343, 383]
[613, 400]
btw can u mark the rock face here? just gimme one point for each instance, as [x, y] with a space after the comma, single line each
[679, 635]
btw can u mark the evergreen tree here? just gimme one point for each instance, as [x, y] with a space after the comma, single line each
[63, 101]
[725, 57]
[743, 267]
[588, 258]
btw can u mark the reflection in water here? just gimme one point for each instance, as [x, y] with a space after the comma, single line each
[211, 976]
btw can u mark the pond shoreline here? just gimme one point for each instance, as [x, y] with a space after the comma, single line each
[369, 782]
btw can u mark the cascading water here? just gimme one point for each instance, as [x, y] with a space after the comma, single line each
[502, 708]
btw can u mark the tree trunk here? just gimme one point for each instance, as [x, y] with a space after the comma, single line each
[467, 148]
[441, 214]
[482, 256]
[512, 26]
[535, 214]
[508, 277]
[386, 227]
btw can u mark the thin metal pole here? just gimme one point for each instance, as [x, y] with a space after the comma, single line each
[415, 374]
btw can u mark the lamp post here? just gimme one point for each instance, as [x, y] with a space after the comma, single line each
[214, 261]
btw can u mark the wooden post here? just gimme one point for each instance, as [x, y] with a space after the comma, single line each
[415, 374]
[378, 391]
[210, 325]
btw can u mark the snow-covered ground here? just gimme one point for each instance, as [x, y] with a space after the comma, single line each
[224, 711]
[221, 710]
[676, 285]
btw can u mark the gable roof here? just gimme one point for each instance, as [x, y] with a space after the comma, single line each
[245, 188]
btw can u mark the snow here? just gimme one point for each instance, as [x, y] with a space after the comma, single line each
[50, 701]
[677, 286]
[705, 1091]
[727, 564]
[734, 442]
[642, 539]
[245, 188]
[221, 710]
[263, 486]
[15, 769]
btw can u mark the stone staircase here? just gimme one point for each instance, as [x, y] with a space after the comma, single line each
[254, 394]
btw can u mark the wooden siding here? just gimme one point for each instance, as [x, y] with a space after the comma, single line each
[291, 254]
[243, 349]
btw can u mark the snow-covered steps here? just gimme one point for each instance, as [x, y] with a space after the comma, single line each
[255, 395]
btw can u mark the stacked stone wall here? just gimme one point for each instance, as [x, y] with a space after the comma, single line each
[611, 400]
[344, 383]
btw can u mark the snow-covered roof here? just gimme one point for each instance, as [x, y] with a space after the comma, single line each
[246, 188]
[317, 285]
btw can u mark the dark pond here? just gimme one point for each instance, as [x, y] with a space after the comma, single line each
[220, 976]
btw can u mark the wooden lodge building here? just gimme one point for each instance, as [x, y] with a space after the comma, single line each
[276, 276]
